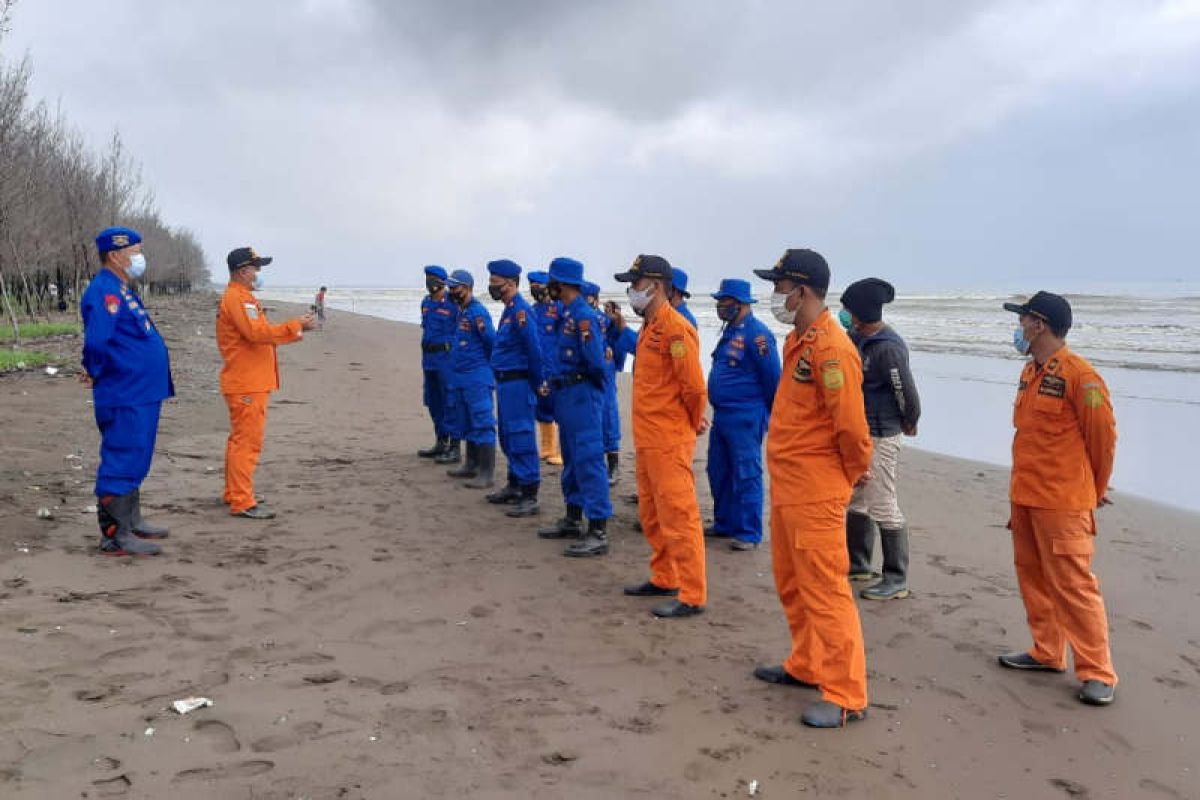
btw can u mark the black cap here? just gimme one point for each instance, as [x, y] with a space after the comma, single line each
[1053, 309]
[646, 267]
[865, 298]
[245, 257]
[800, 265]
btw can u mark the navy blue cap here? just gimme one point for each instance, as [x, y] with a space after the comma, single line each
[679, 279]
[539, 277]
[803, 266]
[735, 289]
[1053, 309]
[111, 239]
[437, 272]
[245, 257]
[647, 267]
[460, 277]
[504, 268]
[567, 270]
[590, 289]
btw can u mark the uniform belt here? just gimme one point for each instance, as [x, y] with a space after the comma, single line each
[504, 376]
[568, 380]
[435, 348]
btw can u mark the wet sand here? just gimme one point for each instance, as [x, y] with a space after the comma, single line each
[391, 635]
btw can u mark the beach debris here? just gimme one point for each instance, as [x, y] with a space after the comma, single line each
[88, 510]
[148, 732]
[45, 513]
[27, 630]
[21, 365]
[328, 676]
[560, 757]
[187, 705]
[752, 788]
[51, 370]
[22, 547]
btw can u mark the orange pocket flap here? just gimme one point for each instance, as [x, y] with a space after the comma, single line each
[1074, 546]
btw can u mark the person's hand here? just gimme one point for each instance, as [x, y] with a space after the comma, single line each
[909, 430]
[86, 379]
[308, 322]
[704, 426]
[613, 311]
[863, 479]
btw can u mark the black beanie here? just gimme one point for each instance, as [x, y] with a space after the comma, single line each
[865, 298]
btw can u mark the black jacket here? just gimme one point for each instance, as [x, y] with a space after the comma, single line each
[888, 387]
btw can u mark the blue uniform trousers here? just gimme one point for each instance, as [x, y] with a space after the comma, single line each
[515, 401]
[735, 470]
[127, 435]
[612, 416]
[545, 408]
[435, 400]
[579, 411]
[470, 415]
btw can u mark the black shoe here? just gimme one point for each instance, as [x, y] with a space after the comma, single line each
[509, 494]
[257, 512]
[141, 528]
[780, 677]
[115, 515]
[1026, 662]
[527, 502]
[451, 453]
[824, 714]
[564, 528]
[675, 609]
[469, 468]
[740, 545]
[485, 467]
[614, 461]
[1096, 693]
[438, 448]
[593, 543]
[712, 532]
[650, 589]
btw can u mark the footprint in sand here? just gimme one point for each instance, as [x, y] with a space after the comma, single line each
[281, 741]
[243, 769]
[1072, 788]
[112, 787]
[217, 735]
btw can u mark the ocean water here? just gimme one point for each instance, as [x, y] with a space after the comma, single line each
[1146, 346]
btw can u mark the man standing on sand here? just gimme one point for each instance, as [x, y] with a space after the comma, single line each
[439, 318]
[893, 409]
[679, 295]
[125, 362]
[471, 409]
[669, 399]
[319, 306]
[546, 311]
[1063, 451]
[612, 406]
[250, 373]
[818, 449]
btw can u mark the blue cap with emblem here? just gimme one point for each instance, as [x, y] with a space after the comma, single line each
[539, 277]
[116, 238]
[437, 272]
[590, 289]
[679, 279]
[734, 289]
[504, 268]
[460, 277]
[567, 270]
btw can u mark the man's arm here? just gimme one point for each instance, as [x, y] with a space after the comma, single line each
[98, 326]
[527, 327]
[1093, 409]
[768, 365]
[841, 389]
[253, 325]
[684, 347]
[894, 358]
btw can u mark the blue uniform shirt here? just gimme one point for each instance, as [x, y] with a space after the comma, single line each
[122, 351]
[547, 314]
[580, 344]
[610, 364]
[473, 339]
[518, 346]
[439, 318]
[745, 367]
[687, 314]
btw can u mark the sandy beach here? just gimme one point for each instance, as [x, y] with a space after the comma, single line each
[391, 635]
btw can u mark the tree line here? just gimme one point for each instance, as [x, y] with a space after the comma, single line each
[56, 193]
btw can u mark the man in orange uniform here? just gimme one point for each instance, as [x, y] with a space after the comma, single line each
[818, 450]
[1063, 453]
[669, 399]
[247, 343]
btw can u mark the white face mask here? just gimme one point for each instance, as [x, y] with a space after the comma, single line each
[137, 265]
[258, 280]
[780, 310]
[639, 300]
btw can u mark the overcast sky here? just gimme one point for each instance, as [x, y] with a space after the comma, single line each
[939, 143]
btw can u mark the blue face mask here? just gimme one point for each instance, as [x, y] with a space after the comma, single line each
[845, 318]
[1020, 343]
[137, 265]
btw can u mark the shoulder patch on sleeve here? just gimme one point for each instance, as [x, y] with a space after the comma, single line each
[1093, 397]
[479, 323]
[832, 375]
[521, 318]
[112, 303]
[678, 348]
[251, 310]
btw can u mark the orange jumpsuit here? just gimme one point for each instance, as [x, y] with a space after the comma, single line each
[250, 373]
[818, 445]
[669, 399]
[1063, 453]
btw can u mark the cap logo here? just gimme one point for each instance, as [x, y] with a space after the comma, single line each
[253, 255]
[636, 266]
[120, 240]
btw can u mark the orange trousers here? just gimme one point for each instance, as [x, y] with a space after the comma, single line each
[808, 552]
[247, 424]
[1052, 551]
[670, 517]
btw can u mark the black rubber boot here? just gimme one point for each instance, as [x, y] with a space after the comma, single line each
[470, 467]
[141, 528]
[527, 506]
[511, 493]
[894, 585]
[569, 527]
[860, 541]
[485, 467]
[451, 453]
[593, 543]
[115, 515]
[439, 447]
[614, 461]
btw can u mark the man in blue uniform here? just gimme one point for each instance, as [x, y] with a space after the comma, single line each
[741, 388]
[679, 295]
[469, 408]
[125, 362]
[547, 311]
[439, 318]
[577, 383]
[612, 412]
[517, 366]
